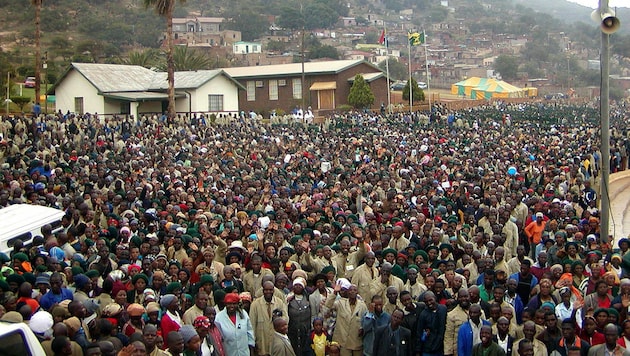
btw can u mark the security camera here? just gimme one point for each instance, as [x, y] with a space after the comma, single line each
[608, 22]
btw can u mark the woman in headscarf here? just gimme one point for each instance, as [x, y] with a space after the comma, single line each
[171, 320]
[236, 328]
[579, 278]
[299, 309]
[566, 280]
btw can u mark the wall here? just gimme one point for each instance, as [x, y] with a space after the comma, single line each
[286, 101]
[218, 85]
[75, 85]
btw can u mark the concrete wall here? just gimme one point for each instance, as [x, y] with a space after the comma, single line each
[74, 86]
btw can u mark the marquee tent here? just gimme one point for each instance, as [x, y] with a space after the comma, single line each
[465, 86]
[496, 89]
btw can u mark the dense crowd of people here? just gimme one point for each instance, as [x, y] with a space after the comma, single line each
[470, 232]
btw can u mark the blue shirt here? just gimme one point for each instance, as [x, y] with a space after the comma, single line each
[49, 299]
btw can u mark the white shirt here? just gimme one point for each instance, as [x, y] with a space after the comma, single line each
[503, 343]
[562, 312]
[476, 330]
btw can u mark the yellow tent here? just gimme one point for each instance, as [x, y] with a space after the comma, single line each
[497, 89]
[465, 86]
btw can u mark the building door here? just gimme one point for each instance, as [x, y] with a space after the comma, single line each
[326, 99]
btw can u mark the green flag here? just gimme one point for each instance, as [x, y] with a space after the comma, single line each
[415, 38]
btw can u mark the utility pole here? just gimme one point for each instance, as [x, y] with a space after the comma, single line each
[45, 67]
[609, 24]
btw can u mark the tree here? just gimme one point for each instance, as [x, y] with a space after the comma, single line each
[21, 101]
[507, 66]
[146, 58]
[397, 70]
[361, 95]
[165, 9]
[325, 51]
[276, 46]
[251, 24]
[38, 48]
[187, 59]
[418, 94]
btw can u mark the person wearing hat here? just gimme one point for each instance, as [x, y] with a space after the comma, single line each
[262, 313]
[192, 341]
[135, 323]
[299, 315]
[56, 294]
[236, 327]
[389, 255]
[139, 282]
[350, 313]
[171, 320]
[83, 286]
[534, 231]
[210, 264]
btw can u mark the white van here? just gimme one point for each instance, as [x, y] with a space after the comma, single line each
[24, 221]
[16, 339]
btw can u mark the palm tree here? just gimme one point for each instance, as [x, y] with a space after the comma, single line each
[38, 50]
[188, 59]
[146, 58]
[165, 8]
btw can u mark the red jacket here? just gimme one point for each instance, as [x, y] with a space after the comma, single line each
[168, 325]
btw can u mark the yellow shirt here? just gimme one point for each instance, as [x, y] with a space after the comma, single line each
[319, 344]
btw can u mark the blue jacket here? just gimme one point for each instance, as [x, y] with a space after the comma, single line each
[464, 338]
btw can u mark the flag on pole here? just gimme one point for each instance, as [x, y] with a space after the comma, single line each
[415, 38]
[381, 39]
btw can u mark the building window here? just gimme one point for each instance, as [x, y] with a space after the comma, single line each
[78, 105]
[254, 48]
[215, 102]
[251, 90]
[273, 89]
[297, 88]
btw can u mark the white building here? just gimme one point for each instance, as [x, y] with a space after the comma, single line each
[243, 47]
[113, 89]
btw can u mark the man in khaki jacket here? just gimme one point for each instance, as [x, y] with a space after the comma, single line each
[350, 313]
[252, 279]
[345, 261]
[454, 319]
[364, 275]
[379, 285]
[261, 315]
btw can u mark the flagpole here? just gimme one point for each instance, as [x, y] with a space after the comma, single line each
[426, 67]
[389, 93]
[410, 86]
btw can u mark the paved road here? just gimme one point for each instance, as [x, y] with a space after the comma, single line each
[619, 205]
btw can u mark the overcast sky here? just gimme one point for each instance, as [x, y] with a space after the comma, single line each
[595, 3]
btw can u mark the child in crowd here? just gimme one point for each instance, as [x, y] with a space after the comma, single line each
[319, 337]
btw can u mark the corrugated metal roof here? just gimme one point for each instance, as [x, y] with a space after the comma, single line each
[368, 77]
[116, 77]
[292, 68]
[184, 80]
[136, 95]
